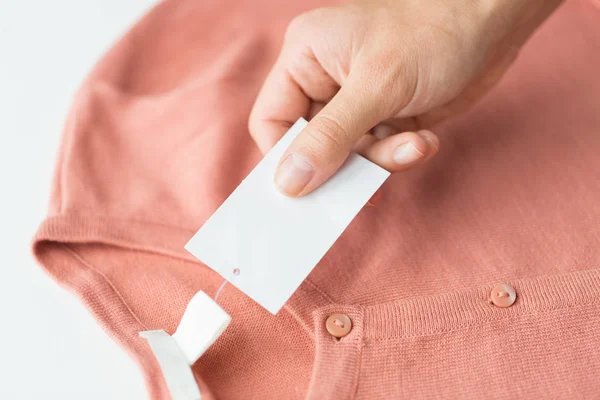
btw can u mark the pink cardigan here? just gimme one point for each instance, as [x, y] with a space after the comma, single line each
[157, 139]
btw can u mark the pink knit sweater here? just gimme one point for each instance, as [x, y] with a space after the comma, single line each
[157, 139]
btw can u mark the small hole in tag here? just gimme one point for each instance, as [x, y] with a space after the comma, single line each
[236, 271]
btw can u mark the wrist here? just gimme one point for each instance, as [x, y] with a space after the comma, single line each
[512, 22]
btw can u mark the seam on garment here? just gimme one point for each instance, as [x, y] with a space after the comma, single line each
[60, 229]
[358, 364]
[86, 229]
[480, 322]
[306, 328]
[141, 326]
[306, 321]
[122, 332]
[191, 230]
[301, 322]
[117, 218]
[88, 265]
[318, 289]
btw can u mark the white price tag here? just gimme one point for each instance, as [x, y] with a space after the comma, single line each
[273, 241]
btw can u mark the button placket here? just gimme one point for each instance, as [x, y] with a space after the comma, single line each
[339, 341]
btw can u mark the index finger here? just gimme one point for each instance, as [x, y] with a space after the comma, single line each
[279, 104]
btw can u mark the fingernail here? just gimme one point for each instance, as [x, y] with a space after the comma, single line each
[407, 154]
[428, 137]
[293, 174]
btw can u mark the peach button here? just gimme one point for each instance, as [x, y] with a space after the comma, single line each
[503, 295]
[338, 325]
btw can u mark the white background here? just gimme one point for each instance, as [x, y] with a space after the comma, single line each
[50, 346]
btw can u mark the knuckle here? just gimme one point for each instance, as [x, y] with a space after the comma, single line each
[327, 136]
[306, 23]
[298, 24]
[397, 79]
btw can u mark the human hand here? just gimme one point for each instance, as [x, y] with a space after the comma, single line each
[376, 75]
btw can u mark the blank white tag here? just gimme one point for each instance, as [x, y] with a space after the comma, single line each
[275, 241]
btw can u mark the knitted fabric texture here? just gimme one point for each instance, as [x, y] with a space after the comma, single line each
[157, 139]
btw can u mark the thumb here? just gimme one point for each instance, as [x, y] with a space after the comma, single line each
[322, 147]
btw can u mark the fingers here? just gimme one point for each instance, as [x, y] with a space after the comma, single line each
[396, 153]
[295, 87]
[321, 148]
[402, 151]
[336, 129]
[279, 104]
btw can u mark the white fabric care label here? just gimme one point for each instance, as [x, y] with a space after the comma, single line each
[265, 243]
[202, 323]
[175, 369]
